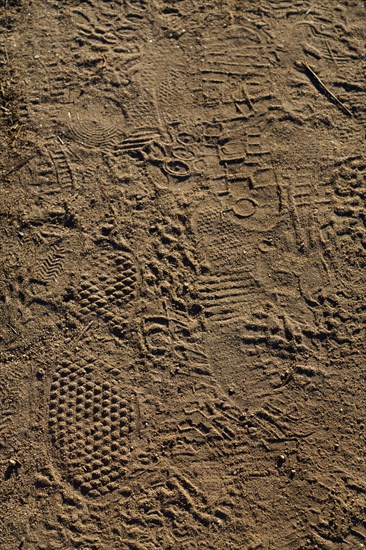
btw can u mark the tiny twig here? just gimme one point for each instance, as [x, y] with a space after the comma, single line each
[12, 328]
[83, 332]
[322, 88]
[329, 50]
[20, 128]
[249, 101]
[19, 166]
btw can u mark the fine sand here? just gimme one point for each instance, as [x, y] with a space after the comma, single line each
[182, 282]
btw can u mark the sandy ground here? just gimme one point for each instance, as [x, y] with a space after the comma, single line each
[182, 279]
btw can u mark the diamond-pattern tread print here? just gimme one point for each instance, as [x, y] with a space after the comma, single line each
[89, 422]
[111, 292]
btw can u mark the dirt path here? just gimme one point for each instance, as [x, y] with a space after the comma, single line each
[182, 280]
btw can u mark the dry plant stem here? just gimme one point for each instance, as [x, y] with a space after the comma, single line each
[18, 166]
[323, 88]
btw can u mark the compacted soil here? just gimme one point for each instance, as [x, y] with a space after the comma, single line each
[182, 279]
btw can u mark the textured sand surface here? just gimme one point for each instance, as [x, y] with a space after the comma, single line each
[182, 278]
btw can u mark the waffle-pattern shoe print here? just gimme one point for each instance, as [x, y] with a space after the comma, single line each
[90, 420]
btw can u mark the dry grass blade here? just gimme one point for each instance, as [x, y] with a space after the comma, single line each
[323, 88]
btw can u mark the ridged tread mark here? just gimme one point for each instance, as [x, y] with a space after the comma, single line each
[61, 163]
[208, 423]
[51, 169]
[224, 293]
[223, 60]
[301, 206]
[173, 499]
[51, 267]
[105, 29]
[283, 9]
[138, 139]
